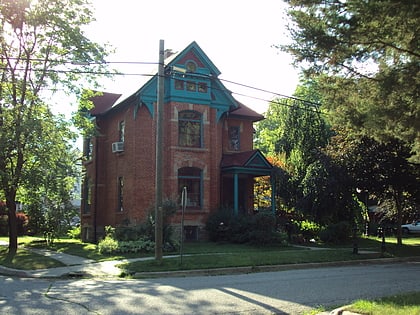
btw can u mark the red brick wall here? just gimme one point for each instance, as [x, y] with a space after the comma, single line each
[137, 163]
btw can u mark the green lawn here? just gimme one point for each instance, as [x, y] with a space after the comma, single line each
[403, 304]
[26, 260]
[212, 255]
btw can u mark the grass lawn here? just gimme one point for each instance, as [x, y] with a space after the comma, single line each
[211, 255]
[403, 304]
[26, 260]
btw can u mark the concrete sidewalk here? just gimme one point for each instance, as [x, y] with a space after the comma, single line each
[75, 266]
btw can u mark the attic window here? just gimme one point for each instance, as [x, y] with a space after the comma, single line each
[191, 66]
[179, 84]
[191, 86]
[202, 87]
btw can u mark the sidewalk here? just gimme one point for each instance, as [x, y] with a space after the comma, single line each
[75, 266]
[82, 267]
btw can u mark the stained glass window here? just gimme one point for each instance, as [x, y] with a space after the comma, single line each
[234, 140]
[189, 129]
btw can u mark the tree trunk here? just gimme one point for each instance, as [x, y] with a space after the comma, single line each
[398, 205]
[11, 210]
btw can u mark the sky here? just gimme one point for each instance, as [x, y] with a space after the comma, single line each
[237, 35]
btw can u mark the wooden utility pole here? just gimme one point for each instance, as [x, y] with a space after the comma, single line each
[159, 155]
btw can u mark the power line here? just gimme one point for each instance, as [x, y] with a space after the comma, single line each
[87, 63]
[315, 106]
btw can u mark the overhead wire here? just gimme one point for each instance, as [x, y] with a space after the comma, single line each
[309, 105]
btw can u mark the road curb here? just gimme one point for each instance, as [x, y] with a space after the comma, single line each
[268, 268]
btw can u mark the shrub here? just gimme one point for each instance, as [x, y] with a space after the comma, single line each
[22, 224]
[336, 233]
[309, 229]
[139, 246]
[133, 233]
[262, 228]
[108, 246]
[259, 228]
[74, 232]
[219, 225]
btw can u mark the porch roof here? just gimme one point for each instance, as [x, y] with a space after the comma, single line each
[249, 162]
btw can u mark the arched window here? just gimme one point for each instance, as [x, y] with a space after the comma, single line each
[191, 177]
[190, 129]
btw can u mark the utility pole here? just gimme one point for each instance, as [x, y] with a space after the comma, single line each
[159, 155]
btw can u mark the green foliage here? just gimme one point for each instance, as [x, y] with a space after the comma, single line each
[366, 57]
[108, 246]
[295, 131]
[260, 228]
[38, 40]
[337, 233]
[308, 229]
[138, 238]
[401, 304]
[381, 169]
[75, 232]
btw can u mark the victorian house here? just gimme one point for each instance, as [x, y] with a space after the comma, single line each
[208, 148]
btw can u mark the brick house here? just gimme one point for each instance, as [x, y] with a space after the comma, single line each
[208, 147]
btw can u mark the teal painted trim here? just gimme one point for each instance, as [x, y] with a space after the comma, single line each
[219, 113]
[235, 194]
[200, 54]
[258, 160]
[246, 170]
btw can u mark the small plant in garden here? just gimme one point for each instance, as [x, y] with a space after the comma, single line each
[108, 246]
[74, 232]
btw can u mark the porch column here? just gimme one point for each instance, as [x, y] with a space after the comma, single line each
[235, 194]
[273, 193]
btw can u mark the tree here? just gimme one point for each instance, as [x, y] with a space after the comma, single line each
[42, 46]
[383, 170]
[294, 132]
[48, 189]
[366, 56]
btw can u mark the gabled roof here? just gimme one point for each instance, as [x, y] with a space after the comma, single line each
[221, 98]
[249, 162]
[244, 111]
[103, 102]
[193, 52]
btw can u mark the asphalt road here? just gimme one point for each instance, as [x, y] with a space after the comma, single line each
[283, 292]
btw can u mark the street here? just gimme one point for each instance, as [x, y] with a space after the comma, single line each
[283, 292]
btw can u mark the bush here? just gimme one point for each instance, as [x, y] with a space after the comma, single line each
[309, 229]
[22, 224]
[133, 233]
[219, 225]
[75, 232]
[108, 246]
[259, 228]
[336, 233]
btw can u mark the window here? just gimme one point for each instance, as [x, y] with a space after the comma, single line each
[189, 129]
[121, 131]
[120, 194]
[234, 140]
[191, 66]
[202, 87]
[179, 85]
[191, 177]
[191, 86]
[87, 195]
